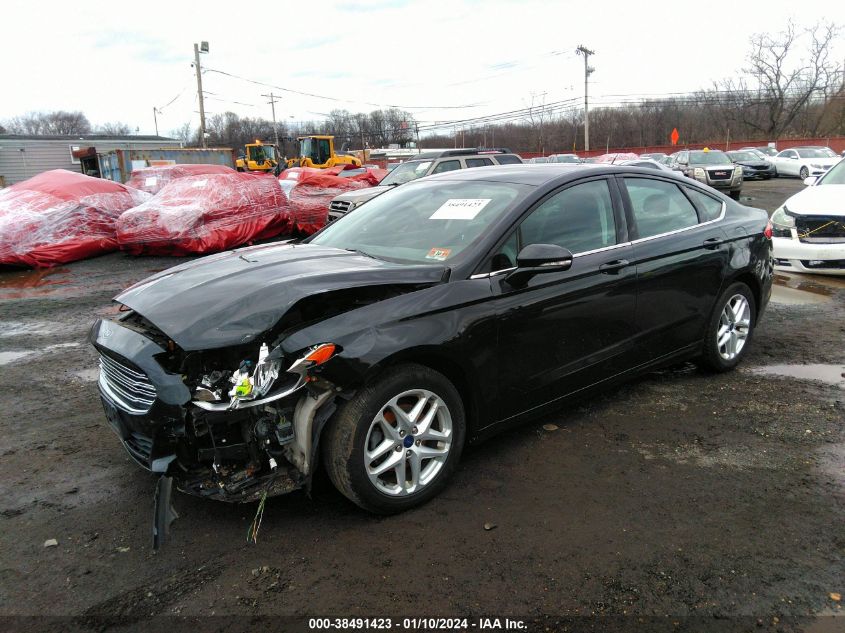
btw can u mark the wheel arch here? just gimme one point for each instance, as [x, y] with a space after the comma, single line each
[750, 280]
[456, 373]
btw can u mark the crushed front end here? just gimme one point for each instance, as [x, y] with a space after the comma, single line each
[231, 424]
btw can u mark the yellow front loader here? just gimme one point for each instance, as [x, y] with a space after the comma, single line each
[318, 151]
[258, 157]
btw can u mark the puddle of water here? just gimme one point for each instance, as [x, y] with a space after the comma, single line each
[19, 328]
[799, 290]
[830, 374]
[10, 357]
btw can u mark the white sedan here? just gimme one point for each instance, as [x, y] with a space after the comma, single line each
[804, 161]
[808, 230]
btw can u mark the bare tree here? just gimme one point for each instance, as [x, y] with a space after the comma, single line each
[115, 128]
[779, 84]
[184, 133]
[57, 122]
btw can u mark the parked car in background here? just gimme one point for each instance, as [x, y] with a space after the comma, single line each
[538, 160]
[802, 162]
[753, 166]
[657, 156]
[424, 164]
[564, 158]
[712, 167]
[765, 150]
[647, 163]
[440, 313]
[809, 228]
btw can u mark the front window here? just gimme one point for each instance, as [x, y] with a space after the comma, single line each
[708, 158]
[406, 172]
[834, 176]
[566, 159]
[425, 222]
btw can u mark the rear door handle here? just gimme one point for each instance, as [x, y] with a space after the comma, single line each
[612, 268]
[712, 243]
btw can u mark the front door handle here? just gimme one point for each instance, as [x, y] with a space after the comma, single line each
[612, 268]
[712, 243]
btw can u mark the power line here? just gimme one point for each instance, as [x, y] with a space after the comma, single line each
[339, 100]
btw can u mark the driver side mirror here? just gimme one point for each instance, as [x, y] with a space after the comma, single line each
[537, 259]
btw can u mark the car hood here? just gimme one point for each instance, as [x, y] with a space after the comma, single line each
[758, 162]
[362, 195]
[818, 200]
[231, 298]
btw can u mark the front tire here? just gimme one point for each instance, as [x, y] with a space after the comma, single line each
[730, 329]
[804, 173]
[735, 195]
[397, 442]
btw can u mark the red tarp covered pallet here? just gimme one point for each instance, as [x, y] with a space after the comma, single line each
[61, 216]
[311, 190]
[153, 179]
[205, 214]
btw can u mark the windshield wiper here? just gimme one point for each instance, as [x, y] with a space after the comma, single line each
[360, 252]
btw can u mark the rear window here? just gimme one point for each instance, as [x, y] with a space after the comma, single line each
[508, 159]
[659, 206]
[478, 162]
[709, 206]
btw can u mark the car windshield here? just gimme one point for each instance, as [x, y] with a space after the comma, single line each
[425, 222]
[835, 175]
[406, 172]
[812, 153]
[712, 157]
[744, 156]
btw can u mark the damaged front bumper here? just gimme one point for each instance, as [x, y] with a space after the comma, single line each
[235, 449]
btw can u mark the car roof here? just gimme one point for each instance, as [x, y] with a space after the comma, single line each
[540, 174]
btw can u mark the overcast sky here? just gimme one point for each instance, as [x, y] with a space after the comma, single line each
[116, 61]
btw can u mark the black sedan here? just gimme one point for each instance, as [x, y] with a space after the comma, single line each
[437, 314]
[753, 166]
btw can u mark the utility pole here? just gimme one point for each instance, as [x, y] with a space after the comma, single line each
[588, 70]
[199, 89]
[272, 103]
[155, 118]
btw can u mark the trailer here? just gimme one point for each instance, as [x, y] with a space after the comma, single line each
[118, 164]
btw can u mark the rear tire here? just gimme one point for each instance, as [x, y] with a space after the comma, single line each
[730, 329]
[397, 442]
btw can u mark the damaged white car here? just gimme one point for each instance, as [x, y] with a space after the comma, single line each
[809, 228]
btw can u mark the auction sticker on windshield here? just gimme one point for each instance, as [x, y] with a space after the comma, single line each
[460, 209]
[439, 254]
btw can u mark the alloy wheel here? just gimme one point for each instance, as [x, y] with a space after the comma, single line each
[408, 442]
[734, 327]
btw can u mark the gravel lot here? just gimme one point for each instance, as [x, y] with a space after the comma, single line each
[681, 495]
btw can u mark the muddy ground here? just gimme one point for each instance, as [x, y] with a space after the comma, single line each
[681, 494]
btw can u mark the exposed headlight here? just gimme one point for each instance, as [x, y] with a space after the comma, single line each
[738, 170]
[782, 222]
[814, 166]
[250, 383]
[698, 173]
